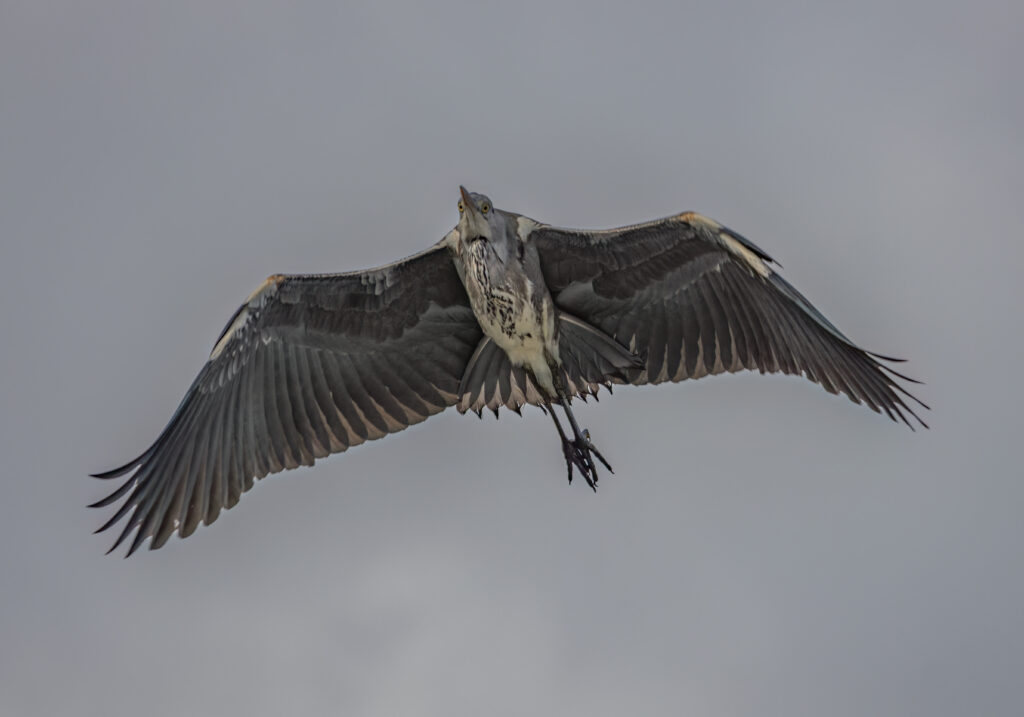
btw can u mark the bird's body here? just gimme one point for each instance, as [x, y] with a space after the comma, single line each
[506, 289]
[503, 312]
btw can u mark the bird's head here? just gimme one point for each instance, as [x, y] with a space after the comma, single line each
[478, 219]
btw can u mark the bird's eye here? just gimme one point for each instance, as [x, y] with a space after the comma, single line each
[485, 207]
[461, 208]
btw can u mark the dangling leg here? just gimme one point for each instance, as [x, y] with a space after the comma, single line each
[583, 445]
[579, 449]
[567, 445]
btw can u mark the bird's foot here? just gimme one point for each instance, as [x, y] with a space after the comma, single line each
[580, 453]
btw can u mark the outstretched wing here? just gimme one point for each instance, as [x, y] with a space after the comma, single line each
[694, 298]
[308, 366]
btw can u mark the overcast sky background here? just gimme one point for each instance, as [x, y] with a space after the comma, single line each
[763, 549]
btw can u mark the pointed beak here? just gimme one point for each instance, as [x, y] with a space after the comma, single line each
[474, 223]
[468, 203]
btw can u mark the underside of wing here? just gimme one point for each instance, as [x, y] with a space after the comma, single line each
[308, 366]
[694, 298]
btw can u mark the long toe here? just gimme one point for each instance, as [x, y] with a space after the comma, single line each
[593, 449]
[597, 453]
[570, 457]
[586, 464]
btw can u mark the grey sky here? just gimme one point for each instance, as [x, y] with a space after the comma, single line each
[764, 548]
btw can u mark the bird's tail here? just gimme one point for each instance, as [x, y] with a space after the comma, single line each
[590, 359]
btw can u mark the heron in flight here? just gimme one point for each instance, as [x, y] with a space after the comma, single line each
[504, 311]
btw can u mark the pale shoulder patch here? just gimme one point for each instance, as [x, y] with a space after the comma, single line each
[699, 220]
[525, 225]
[750, 258]
[451, 239]
[266, 289]
[731, 243]
[256, 300]
[230, 332]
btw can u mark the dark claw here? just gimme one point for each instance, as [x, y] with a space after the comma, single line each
[579, 455]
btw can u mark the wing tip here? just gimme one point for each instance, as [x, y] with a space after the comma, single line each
[117, 472]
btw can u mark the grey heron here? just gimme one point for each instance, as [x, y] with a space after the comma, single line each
[502, 312]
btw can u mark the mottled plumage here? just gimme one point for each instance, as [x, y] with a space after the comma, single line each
[502, 312]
